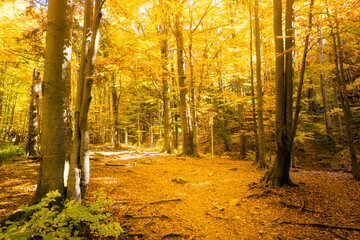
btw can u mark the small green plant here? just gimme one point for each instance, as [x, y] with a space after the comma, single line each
[10, 151]
[71, 221]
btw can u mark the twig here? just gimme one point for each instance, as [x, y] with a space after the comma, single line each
[165, 201]
[217, 217]
[320, 225]
[144, 217]
[169, 235]
[135, 234]
[114, 164]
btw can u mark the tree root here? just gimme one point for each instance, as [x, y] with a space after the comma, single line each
[262, 194]
[300, 208]
[320, 225]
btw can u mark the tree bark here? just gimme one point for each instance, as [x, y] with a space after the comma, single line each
[261, 163]
[241, 120]
[115, 108]
[56, 128]
[166, 86]
[253, 89]
[79, 173]
[324, 94]
[2, 86]
[33, 144]
[188, 147]
[347, 110]
[302, 76]
[279, 172]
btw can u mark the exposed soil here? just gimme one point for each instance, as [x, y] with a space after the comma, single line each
[158, 196]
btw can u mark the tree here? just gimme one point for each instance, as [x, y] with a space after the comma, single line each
[33, 144]
[188, 144]
[279, 172]
[79, 172]
[324, 93]
[261, 163]
[165, 81]
[56, 133]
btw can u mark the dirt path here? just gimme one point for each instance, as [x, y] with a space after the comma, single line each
[158, 196]
[213, 200]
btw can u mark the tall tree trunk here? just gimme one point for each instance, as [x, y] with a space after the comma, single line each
[336, 84]
[2, 86]
[193, 109]
[302, 76]
[33, 144]
[253, 90]
[138, 128]
[115, 108]
[241, 120]
[56, 126]
[166, 89]
[324, 94]
[279, 172]
[185, 116]
[79, 173]
[261, 163]
[347, 109]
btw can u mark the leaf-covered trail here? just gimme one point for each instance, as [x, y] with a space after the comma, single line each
[158, 196]
[213, 200]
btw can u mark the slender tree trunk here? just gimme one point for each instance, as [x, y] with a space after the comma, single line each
[2, 86]
[261, 163]
[302, 76]
[79, 162]
[347, 110]
[185, 116]
[151, 135]
[139, 129]
[241, 120]
[56, 130]
[115, 108]
[166, 90]
[33, 144]
[193, 109]
[336, 84]
[328, 125]
[253, 90]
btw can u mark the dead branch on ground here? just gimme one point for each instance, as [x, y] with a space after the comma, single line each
[321, 225]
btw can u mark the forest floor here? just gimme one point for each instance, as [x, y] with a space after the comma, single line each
[159, 196]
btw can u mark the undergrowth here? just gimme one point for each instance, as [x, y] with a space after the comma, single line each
[70, 221]
[9, 150]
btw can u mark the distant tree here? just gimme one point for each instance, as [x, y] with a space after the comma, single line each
[33, 144]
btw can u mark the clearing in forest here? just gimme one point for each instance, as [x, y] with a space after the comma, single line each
[159, 196]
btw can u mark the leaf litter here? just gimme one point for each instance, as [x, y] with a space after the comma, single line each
[159, 196]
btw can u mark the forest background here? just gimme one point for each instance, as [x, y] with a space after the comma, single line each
[168, 74]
